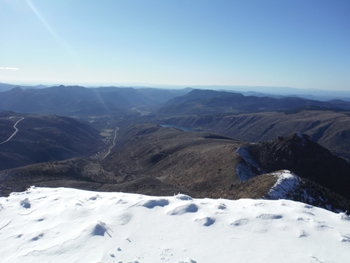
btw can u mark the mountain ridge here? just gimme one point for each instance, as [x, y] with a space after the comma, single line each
[204, 102]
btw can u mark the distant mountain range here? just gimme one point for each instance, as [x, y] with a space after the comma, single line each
[274, 91]
[258, 91]
[81, 101]
[205, 102]
[6, 87]
[76, 100]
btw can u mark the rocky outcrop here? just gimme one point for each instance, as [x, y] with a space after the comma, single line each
[299, 154]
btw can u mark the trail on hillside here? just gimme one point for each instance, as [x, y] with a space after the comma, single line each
[16, 130]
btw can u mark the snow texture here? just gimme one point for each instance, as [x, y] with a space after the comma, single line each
[69, 225]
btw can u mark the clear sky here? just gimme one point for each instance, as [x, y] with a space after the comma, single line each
[299, 43]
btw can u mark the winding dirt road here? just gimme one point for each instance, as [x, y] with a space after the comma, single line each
[16, 130]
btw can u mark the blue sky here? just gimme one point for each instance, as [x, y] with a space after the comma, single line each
[299, 43]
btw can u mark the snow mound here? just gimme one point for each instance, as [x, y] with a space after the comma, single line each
[183, 197]
[188, 260]
[68, 225]
[205, 221]
[240, 222]
[124, 219]
[183, 209]
[155, 202]
[99, 229]
[25, 203]
[269, 216]
[286, 183]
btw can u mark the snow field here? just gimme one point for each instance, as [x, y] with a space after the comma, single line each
[69, 225]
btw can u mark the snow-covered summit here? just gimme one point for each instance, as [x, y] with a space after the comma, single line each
[68, 225]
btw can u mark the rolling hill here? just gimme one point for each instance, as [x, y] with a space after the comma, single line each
[42, 138]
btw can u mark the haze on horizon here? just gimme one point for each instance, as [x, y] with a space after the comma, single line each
[300, 44]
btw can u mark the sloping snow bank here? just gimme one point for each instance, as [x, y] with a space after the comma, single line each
[286, 183]
[68, 225]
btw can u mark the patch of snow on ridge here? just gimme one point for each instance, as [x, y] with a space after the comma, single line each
[245, 168]
[286, 182]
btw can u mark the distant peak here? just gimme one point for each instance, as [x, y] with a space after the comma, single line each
[17, 89]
